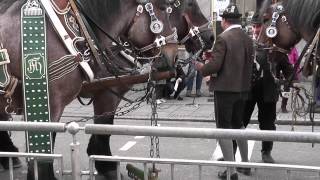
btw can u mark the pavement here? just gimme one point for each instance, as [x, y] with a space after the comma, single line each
[190, 112]
[198, 109]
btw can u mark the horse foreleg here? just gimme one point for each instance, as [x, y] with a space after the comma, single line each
[100, 145]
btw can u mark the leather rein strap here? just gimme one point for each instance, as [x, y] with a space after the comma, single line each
[86, 34]
[193, 30]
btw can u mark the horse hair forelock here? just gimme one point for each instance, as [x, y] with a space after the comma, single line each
[302, 12]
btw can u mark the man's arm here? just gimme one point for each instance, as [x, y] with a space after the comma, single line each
[212, 67]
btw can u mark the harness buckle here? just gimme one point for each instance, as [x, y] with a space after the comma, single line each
[160, 41]
[194, 31]
[177, 3]
[169, 10]
[149, 7]
[139, 9]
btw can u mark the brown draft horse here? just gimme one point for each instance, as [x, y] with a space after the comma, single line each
[105, 101]
[297, 19]
[117, 18]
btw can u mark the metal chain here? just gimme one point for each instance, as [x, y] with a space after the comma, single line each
[9, 108]
[155, 145]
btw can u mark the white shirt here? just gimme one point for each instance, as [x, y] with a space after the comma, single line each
[232, 27]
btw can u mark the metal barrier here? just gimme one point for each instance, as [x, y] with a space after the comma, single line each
[199, 163]
[40, 127]
[180, 132]
[36, 157]
[208, 133]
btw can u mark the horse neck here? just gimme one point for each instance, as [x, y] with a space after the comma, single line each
[116, 27]
[307, 35]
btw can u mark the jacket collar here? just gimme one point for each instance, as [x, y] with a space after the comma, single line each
[232, 27]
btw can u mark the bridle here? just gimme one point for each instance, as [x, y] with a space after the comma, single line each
[132, 54]
[193, 30]
[272, 31]
[156, 27]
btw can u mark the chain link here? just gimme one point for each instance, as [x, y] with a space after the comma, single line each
[9, 108]
[155, 145]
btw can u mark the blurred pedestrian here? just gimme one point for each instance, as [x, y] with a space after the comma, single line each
[194, 74]
[293, 57]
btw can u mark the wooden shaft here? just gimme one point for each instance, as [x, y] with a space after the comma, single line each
[102, 84]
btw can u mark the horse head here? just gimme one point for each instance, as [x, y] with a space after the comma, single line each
[139, 24]
[277, 30]
[153, 35]
[193, 28]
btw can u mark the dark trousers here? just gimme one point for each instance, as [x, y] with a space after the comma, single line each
[266, 112]
[228, 107]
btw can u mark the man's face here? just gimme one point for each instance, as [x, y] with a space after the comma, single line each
[256, 28]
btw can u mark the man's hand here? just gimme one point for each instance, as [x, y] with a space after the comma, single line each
[198, 65]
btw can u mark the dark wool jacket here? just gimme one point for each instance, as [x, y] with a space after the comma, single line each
[272, 64]
[232, 62]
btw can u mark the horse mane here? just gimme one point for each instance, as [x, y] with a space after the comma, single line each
[5, 4]
[100, 9]
[302, 12]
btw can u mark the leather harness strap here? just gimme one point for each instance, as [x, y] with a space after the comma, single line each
[11, 87]
[86, 34]
[61, 6]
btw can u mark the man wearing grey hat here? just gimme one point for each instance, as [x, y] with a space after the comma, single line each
[232, 63]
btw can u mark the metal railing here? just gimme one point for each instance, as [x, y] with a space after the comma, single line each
[199, 163]
[35, 158]
[178, 132]
[208, 133]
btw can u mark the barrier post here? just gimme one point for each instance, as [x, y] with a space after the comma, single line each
[73, 128]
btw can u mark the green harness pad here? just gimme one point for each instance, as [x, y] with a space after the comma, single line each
[35, 79]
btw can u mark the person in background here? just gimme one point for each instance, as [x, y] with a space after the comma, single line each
[293, 57]
[176, 85]
[192, 73]
[232, 62]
